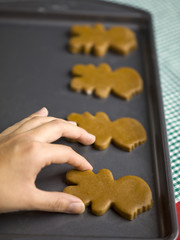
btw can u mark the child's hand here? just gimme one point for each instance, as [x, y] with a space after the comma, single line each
[25, 148]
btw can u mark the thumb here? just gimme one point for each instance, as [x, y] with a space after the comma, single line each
[56, 202]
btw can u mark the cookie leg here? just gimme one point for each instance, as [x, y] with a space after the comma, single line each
[100, 49]
[126, 213]
[102, 92]
[102, 142]
[100, 206]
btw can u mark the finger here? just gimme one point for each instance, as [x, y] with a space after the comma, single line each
[33, 123]
[36, 121]
[56, 202]
[55, 153]
[41, 112]
[51, 131]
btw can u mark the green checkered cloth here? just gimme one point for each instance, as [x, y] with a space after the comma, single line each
[166, 21]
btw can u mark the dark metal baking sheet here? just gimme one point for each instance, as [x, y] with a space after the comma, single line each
[35, 71]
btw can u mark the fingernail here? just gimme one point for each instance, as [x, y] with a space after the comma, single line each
[72, 122]
[76, 207]
[42, 110]
[92, 137]
[90, 167]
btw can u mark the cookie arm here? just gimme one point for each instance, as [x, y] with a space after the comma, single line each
[80, 69]
[79, 29]
[81, 178]
[78, 84]
[76, 191]
[75, 176]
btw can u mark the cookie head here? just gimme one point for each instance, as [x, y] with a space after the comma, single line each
[128, 133]
[123, 40]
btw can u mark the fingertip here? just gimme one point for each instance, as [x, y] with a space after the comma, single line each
[91, 168]
[89, 138]
[76, 207]
[88, 167]
[43, 112]
[92, 138]
[83, 165]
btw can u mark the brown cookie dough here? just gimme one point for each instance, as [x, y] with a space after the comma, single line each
[128, 195]
[123, 82]
[86, 38]
[126, 133]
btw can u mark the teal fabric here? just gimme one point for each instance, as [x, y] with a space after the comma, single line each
[166, 22]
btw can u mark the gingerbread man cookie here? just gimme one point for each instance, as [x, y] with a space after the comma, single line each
[123, 82]
[128, 195]
[126, 133]
[86, 38]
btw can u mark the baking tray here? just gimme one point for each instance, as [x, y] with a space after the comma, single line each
[35, 70]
